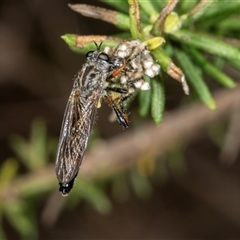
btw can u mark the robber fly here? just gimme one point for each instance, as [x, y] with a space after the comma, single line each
[89, 87]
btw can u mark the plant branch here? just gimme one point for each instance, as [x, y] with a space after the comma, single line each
[122, 152]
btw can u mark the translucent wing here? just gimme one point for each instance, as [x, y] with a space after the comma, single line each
[76, 128]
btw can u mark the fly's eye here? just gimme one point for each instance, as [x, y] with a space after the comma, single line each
[89, 54]
[104, 57]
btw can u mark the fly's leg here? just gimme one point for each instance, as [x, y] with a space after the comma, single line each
[115, 98]
[117, 107]
[117, 90]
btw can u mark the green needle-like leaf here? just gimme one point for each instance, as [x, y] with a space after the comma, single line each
[144, 101]
[121, 6]
[118, 19]
[198, 12]
[230, 24]
[211, 70]
[159, 4]
[162, 58]
[122, 21]
[33, 153]
[8, 171]
[170, 68]
[149, 9]
[69, 39]
[83, 44]
[157, 100]
[88, 190]
[235, 63]
[208, 44]
[186, 5]
[141, 185]
[219, 10]
[21, 148]
[134, 15]
[15, 213]
[194, 78]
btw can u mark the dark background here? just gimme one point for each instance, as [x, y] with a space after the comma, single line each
[36, 68]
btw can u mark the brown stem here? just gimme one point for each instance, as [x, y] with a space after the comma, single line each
[122, 152]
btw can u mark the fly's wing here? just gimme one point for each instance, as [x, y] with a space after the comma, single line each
[76, 128]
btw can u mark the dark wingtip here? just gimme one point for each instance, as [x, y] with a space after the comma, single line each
[65, 188]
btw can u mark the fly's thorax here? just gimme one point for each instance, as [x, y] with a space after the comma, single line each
[90, 79]
[93, 73]
[100, 60]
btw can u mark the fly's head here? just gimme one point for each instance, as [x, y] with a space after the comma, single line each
[99, 59]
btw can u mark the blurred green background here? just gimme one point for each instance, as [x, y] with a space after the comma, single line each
[178, 180]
